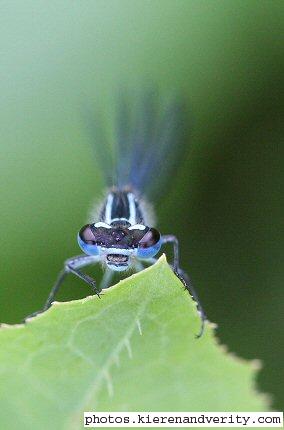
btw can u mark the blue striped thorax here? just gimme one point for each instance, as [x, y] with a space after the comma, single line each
[120, 235]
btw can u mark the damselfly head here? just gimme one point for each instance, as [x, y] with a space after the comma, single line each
[118, 242]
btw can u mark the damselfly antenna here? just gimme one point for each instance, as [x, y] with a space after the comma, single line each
[121, 236]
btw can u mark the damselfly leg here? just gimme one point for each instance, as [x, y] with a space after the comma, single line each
[106, 279]
[72, 265]
[183, 276]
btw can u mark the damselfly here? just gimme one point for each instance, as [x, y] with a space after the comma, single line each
[149, 143]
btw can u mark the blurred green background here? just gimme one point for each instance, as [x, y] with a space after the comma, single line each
[225, 204]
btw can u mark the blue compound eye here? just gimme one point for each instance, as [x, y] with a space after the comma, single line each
[86, 241]
[150, 244]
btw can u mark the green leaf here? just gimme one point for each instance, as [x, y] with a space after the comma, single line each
[133, 350]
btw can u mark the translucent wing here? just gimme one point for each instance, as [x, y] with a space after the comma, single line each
[151, 139]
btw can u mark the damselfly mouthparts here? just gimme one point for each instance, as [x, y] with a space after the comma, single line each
[148, 147]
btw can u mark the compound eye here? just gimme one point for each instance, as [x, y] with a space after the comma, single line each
[150, 244]
[87, 241]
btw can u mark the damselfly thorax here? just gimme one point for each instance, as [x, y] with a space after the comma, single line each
[120, 235]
